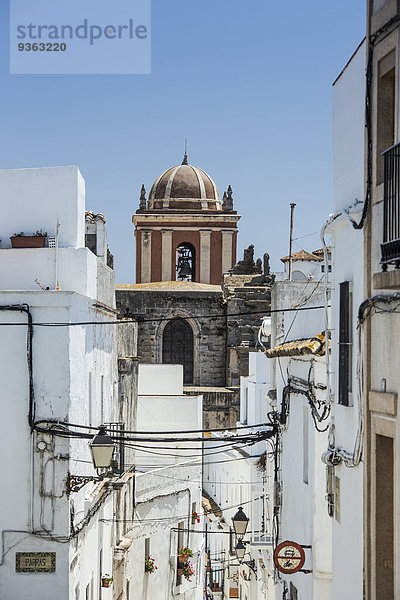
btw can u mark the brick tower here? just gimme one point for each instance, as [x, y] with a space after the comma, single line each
[183, 231]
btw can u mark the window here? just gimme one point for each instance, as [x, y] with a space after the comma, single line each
[185, 262]
[385, 123]
[246, 406]
[147, 547]
[293, 592]
[323, 268]
[345, 342]
[178, 347]
[180, 544]
[384, 517]
[194, 505]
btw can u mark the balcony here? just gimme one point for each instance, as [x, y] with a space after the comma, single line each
[390, 249]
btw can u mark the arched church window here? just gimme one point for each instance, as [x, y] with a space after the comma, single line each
[185, 262]
[177, 347]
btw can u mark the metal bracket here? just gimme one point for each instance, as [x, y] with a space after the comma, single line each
[76, 482]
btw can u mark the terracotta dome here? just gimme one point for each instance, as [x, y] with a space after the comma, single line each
[184, 187]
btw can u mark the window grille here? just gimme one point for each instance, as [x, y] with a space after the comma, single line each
[345, 343]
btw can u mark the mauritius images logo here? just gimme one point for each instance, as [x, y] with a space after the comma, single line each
[54, 38]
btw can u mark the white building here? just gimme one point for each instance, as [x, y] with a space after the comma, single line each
[305, 265]
[299, 398]
[168, 486]
[234, 478]
[347, 293]
[53, 542]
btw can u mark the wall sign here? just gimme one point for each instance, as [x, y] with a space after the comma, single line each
[289, 557]
[35, 562]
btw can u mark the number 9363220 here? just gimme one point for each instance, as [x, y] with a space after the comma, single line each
[42, 47]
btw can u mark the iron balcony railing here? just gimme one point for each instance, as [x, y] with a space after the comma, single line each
[390, 249]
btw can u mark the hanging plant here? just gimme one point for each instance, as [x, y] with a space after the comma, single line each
[184, 554]
[106, 580]
[188, 570]
[150, 565]
[195, 517]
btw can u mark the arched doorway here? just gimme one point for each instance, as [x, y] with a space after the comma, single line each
[177, 347]
[185, 262]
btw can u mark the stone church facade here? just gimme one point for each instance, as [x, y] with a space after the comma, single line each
[189, 294]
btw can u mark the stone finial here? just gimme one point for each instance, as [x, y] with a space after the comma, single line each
[248, 255]
[142, 203]
[224, 201]
[267, 268]
[229, 199]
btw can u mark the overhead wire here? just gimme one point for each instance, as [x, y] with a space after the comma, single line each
[175, 517]
[139, 319]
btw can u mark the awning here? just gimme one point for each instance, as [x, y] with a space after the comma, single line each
[314, 345]
[210, 506]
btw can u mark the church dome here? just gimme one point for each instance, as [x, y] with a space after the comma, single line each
[184, 187]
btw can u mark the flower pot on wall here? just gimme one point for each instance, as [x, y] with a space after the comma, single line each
[27, 241]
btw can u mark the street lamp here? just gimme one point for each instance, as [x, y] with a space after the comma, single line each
[240, 550]
[102, 449]
[240, 522]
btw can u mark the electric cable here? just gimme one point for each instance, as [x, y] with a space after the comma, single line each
[203, 514]
[90, 427]
[139, 319]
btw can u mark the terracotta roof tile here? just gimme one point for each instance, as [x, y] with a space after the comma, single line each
[303, 255]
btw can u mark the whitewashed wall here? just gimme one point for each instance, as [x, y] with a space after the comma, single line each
[63, 360]
[33, 199]
[348, 265]
[303, 514]
[232, 479]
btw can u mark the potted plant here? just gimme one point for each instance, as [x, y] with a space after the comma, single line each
[195, 517]
[20, 240]
[188, 570]
[150, 565]
[106, 580]
[184, 554]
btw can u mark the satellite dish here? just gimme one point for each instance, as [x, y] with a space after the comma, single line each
[299, 276]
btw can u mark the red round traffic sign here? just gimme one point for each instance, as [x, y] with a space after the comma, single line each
[289, 557]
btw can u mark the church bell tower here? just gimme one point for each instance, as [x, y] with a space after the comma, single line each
[183, 231]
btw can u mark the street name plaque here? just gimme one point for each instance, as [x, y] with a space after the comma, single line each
[35, 562]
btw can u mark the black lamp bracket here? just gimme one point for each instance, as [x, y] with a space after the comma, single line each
[76, 482]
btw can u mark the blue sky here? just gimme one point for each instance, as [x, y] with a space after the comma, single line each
[249, 85]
